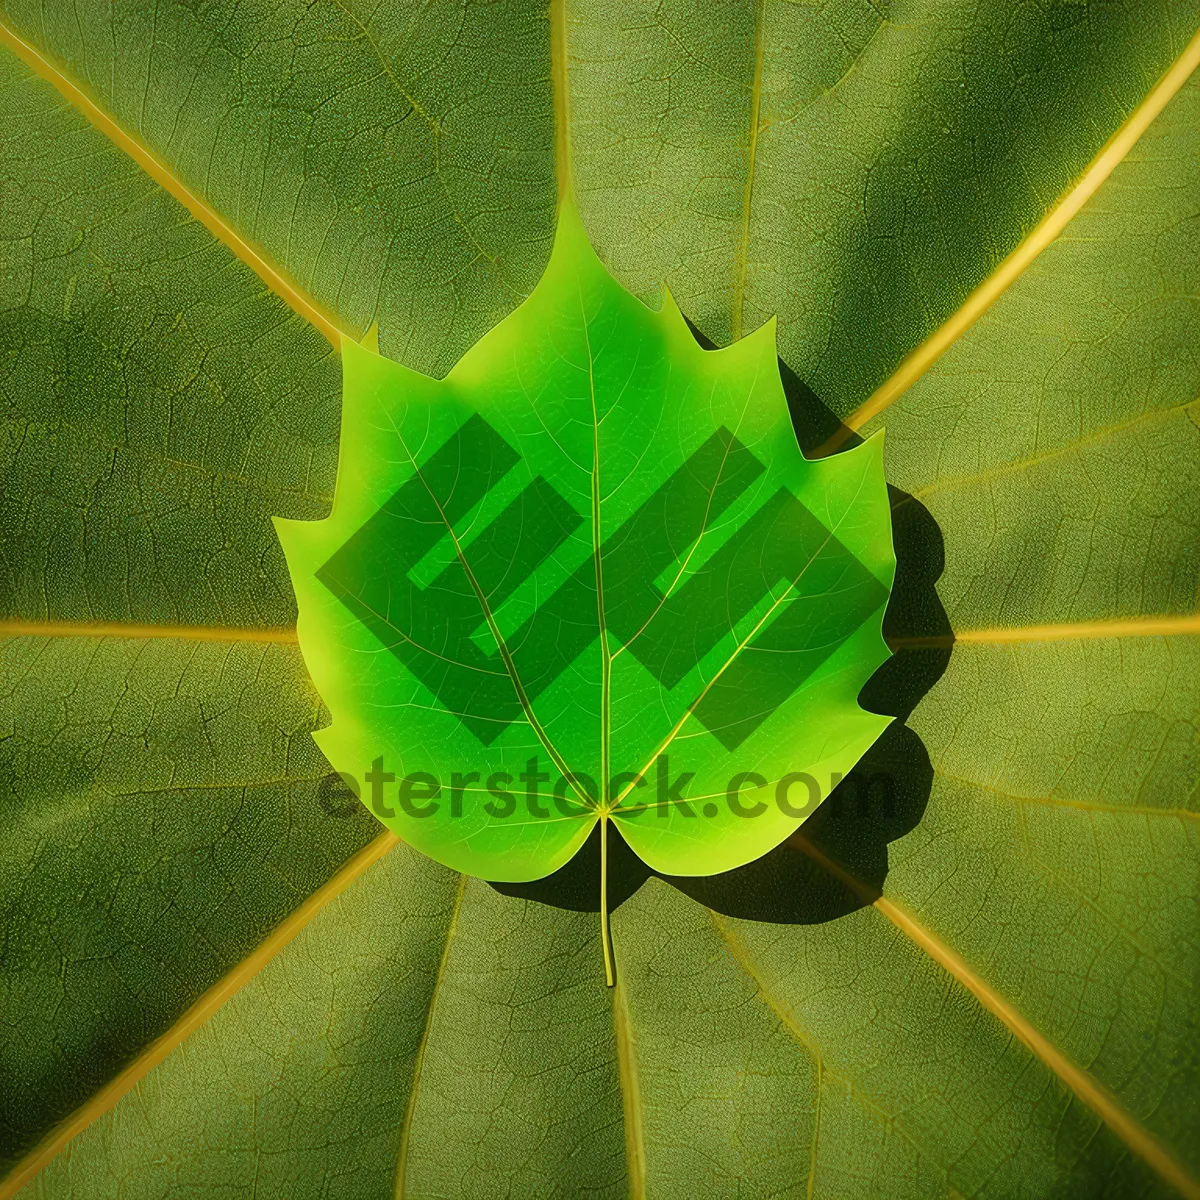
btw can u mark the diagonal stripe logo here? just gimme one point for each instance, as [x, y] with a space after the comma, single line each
[782, 572]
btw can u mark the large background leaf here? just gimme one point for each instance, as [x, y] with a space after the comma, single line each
[1015, 1014]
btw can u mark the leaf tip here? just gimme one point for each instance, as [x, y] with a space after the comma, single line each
[766, 334]
[670, 312]
[283, 530]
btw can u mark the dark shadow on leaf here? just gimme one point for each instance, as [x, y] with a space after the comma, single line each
[815, 423]
[880, 800]
[576, 886]
[915, 623]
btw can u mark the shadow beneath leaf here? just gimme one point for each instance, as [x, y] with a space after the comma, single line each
[882, 799]
[576, 886]
[837, 861]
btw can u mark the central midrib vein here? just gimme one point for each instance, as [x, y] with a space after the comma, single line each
[598, 559]
[603, 799]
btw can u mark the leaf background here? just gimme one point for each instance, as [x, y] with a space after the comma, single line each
[1013, 1015]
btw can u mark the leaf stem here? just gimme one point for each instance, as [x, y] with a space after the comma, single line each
[606, 944]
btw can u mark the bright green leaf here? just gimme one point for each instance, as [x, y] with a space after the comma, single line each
[593, 553]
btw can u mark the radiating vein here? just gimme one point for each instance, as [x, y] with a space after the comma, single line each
[741, 645]
[1013, 466]
[1070, 631]
[744, 957]
[1120, 627]
[410, 1107]
[162, 174]
[123, 629]
[631, 1096]
[743, 256]
[1087, 806]
[199, 1014]
[1079, 1081]
[816, 1137]
[489, 617]
[563, 168]
[1010, 270]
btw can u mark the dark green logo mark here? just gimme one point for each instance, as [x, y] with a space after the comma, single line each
[822, 592]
